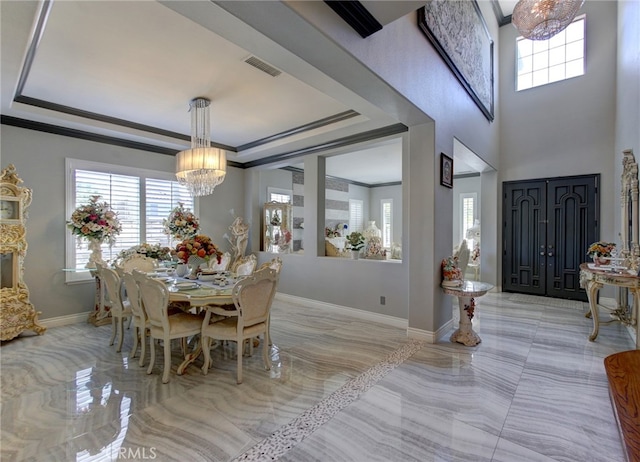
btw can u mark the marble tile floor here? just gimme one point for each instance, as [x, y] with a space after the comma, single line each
[341, 389]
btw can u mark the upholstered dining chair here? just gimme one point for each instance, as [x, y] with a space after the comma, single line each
[274, 263]
[120, 308]
[246, 265]
[225, 261]
[140, 319]
[155, 297]
[252, 297]
[139, 262]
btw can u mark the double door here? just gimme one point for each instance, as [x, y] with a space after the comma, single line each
[548, 226]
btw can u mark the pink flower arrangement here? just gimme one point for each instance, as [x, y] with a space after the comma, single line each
[95, 220]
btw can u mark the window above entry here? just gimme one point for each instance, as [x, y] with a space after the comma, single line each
[539, 62]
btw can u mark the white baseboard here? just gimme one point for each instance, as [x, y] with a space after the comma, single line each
[360, 314]
[429, 336]
[65, 320]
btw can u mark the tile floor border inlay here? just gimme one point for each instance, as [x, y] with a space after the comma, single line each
[291, 434]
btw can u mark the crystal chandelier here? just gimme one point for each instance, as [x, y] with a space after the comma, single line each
[542, 19]
[202, 167]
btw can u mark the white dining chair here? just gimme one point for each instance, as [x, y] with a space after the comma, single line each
[225, 261]
[155, 297]
[252, 297]
[139, 262]
[140, 319]
[120, 308]
[246, 265]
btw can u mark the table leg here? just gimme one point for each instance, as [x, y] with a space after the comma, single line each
[465, 333]
[190, 357]
[592, 294]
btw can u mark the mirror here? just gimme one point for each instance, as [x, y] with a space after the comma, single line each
[629, 203]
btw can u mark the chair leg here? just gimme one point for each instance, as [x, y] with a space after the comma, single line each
[143, 346]
[152, 360]
[206, 345]
[113, 329]
[167, 360]
[239, 356]
[266, 353]
[136, 333]
[121, 333]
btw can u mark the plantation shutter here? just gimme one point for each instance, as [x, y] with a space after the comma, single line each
[161, 197]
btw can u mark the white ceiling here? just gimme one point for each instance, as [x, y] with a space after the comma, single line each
[129, 69]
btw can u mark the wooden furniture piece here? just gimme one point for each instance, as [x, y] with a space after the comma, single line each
[246, 265]
[623, 374]
[467, 293]
[17, 313]
[277, 228]
[252, 298]
[593, 278]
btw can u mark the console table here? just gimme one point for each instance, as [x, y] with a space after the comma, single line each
[593, 278]
[467, 293]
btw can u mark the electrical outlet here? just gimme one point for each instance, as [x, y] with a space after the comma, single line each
[383, 300]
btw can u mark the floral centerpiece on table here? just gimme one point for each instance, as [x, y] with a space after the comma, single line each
[155, 251]
[199, 248]
[601, 249]
[355, 240]
[181, 223]
[95, 221]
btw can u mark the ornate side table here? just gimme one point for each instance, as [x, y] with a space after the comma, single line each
[593, 278]
[467, 293]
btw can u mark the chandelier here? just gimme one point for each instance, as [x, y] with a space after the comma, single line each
[202, 167]
[542, 19]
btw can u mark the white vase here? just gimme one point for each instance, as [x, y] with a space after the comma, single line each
[355, 254]
[372, 230]
[182, 269]
[95, 246]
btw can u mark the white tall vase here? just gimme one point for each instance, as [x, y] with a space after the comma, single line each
[371, 230]
[95, 246]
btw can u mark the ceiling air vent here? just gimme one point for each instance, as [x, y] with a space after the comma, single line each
[264, 67]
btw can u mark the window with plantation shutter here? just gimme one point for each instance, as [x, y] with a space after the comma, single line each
[356, 215]
[142, 199]
[387, 225]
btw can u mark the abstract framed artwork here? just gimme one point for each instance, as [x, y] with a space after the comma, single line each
[446, 170]
[459, 33]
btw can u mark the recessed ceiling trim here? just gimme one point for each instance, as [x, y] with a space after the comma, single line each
[301, 129]
[45, 9]
[356, 15]
[97, 138]
[500, 17]
[334, 144]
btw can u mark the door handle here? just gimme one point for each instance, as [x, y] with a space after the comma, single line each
[550, 254]
[542, 254]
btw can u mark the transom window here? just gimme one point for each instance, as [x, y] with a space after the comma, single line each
[561, 57]
[141, 198]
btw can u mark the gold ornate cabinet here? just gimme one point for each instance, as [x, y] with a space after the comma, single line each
[278, 223]
[17, 314]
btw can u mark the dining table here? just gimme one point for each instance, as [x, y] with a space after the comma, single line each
[210, 295]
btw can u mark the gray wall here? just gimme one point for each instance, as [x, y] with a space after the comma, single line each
[40, 161]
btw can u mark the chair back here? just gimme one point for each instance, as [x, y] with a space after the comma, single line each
[112, 282]
[155, 298]
[139, 262]
[133, 293]
[275, 264]
[225, 260]
[246, 265]
[253, 297]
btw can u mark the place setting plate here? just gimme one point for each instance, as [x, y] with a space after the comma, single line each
[180, 286]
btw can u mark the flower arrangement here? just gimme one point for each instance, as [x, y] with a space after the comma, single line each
[601, 249]
[450, 270]
[155, 251]
[374, 248]
[355, 240]
[283, 240]
[338, 231]
[181, 223]
[95, 220]
[198, 246]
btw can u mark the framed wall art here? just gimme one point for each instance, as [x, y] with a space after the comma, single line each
[446, 170]
[459, 33]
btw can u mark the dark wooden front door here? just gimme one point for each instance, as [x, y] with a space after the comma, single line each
[548, 225]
